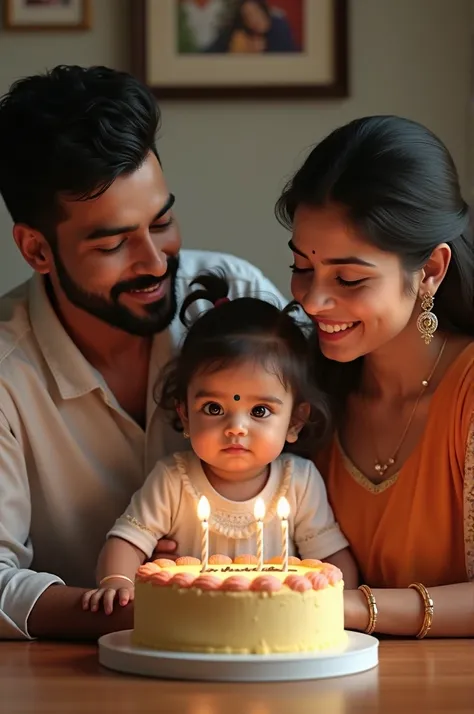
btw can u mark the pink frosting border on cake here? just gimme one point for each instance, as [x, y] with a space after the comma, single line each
[207, 582]
[318, 580]
[182, 580]
[236, 583]
[266, 583]
[161, 578]
[159, 574]
[298, 582]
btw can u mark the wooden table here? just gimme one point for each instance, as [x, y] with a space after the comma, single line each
[413, 678]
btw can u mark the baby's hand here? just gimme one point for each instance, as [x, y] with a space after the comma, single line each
[115, 589]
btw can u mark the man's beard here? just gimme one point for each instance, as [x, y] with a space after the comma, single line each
[160, 313]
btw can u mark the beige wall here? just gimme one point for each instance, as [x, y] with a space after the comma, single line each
[227, 161]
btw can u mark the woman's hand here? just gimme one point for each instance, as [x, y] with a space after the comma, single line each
[356, 613]
[401, 611]
[117, 589]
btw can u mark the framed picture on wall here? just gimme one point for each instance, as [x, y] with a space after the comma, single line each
[47, 14]
[241, 48]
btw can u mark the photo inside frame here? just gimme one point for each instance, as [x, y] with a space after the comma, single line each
[48, 3]
[31, 13]
[239, 27]
[172, 58]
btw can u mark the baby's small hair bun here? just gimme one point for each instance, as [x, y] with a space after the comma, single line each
[213, 287]
[221, 301]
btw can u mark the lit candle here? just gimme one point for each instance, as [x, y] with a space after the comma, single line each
[283, 511]
[203, 512]
[259, 513]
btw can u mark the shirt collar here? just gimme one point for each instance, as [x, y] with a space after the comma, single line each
[73, 374]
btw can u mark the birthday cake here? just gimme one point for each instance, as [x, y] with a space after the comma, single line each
[232, 607]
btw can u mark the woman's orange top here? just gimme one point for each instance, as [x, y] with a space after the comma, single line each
[419, 524]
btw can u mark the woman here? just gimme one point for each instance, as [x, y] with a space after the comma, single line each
[255, 28]
[384, 266]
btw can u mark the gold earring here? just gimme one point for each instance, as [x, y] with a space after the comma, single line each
[427, 322]
[185, 434]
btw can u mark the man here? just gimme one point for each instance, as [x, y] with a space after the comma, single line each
[83, 342]
[203, 20]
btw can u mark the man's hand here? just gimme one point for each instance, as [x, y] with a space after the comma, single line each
[165, 548]
[58, 615]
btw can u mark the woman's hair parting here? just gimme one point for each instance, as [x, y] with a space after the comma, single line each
[238, 330]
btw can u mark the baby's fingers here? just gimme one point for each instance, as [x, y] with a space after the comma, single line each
[109, 597]
[86, 599]
[97, 596]
[125, 595]
[92, 598]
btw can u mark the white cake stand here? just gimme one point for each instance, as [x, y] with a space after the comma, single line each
[358, 655]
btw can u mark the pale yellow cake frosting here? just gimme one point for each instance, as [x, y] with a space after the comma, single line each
[271, 618]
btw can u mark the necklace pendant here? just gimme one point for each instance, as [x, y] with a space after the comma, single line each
[381, 468]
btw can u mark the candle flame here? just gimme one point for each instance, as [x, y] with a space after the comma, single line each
[283, 508]
[259, 510]
[204, 509]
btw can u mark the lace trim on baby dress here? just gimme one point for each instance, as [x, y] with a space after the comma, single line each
[234, 525]
[469, 503]
[141, 526]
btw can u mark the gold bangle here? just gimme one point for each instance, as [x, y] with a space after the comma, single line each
[373, 612]
[112, 577]
[429, 609]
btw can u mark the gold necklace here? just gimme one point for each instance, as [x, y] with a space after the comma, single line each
[381, 468]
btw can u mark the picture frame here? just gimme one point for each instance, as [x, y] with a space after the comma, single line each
[316, 68]
[47, 15]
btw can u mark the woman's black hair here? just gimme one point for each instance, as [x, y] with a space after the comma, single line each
[400, 189]
[238, 330]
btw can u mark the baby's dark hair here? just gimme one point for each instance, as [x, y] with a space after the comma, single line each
[238, 330]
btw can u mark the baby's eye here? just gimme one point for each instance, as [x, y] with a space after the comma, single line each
[213, 409]
[260, 411]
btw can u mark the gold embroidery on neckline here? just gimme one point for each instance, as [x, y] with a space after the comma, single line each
[468, 494]
[226, 522]
[360, 478]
